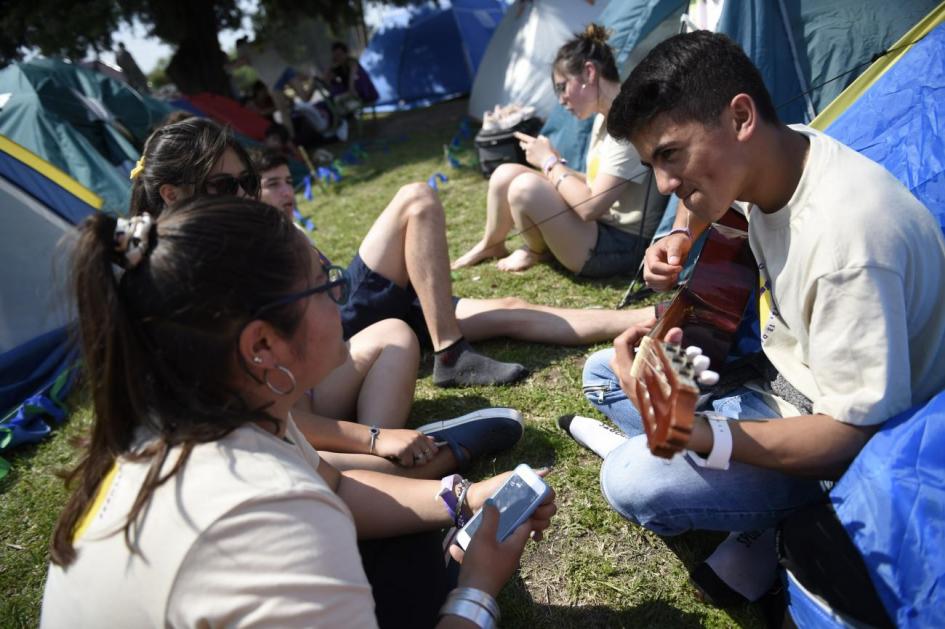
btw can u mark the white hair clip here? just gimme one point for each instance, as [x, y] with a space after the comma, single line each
[131, 238]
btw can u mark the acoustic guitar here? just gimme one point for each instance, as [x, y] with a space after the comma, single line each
[708, 307]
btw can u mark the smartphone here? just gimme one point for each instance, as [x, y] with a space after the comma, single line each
[516, 500]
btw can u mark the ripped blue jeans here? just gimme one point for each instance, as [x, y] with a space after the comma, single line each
[673, 496]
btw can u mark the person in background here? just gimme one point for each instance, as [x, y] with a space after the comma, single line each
[597, 223]
[130, 69]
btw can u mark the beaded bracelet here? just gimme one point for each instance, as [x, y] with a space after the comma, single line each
[680, 230]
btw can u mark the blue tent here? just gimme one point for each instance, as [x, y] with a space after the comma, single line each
[41, 204]
[892, 499]
[426, 54]
[635, 25]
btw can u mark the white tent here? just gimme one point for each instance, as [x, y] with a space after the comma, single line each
[516, 67]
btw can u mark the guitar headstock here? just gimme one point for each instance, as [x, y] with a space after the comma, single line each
[670, 376]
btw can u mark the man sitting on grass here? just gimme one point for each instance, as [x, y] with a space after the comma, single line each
[402, 271]
[853, 309]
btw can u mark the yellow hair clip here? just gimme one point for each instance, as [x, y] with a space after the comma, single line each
[137, 169]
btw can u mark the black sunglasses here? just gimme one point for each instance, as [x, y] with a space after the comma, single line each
[338, 288]
[228, 185]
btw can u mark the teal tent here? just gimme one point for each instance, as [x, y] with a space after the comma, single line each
[44, 108]
[808, 51]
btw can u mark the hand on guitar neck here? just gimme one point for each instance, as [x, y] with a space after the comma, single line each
[662, 380]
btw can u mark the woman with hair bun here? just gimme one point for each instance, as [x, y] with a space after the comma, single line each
[198, 502]
[594, 222]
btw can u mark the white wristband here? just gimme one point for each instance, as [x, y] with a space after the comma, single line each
[721, 453]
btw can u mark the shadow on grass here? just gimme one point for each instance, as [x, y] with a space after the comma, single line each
[519, 610]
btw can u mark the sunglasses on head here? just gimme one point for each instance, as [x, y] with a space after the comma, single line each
[228, 185]
[338, 288]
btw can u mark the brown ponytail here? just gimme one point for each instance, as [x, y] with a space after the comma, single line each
[591, 45]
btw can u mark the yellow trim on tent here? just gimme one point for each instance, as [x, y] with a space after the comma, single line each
[52, 172]
[872, 74]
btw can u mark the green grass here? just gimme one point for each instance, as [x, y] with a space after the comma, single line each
[594, 569]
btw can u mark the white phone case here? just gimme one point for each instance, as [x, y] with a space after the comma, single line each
[514, 506]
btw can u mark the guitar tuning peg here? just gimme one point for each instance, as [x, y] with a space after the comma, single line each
[708, 378]
[692, 351]
[700, 363]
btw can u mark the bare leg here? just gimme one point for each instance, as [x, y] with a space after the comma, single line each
[375, 385]
[498, 217]
[515, 318]
[546, 223]
[407, 243]
[442, 464]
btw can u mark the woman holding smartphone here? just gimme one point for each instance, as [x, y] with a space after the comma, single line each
[198, 502]
[594, 222]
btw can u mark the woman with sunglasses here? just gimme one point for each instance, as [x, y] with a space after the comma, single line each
[197, 501]
[376, 383]
[597, 223]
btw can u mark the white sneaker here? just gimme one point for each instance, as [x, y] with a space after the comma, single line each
[596, 436]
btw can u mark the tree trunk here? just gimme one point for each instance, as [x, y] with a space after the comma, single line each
[197, 64]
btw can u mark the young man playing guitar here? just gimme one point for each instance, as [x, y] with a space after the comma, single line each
[852, 304]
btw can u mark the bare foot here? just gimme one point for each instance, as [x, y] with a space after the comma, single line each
[479, 253]
[521, 259]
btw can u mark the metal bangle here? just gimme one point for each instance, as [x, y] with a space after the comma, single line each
[561, 178]
[475, 614]
[477, 596]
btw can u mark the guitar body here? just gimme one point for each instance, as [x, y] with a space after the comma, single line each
[709, 308]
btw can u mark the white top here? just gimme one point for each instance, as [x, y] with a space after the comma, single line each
[607, 156]
[855, 269]
[249, 534]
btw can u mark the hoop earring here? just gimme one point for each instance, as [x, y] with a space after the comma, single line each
[288, 374]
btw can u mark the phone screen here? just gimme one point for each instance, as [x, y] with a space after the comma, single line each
[511, 501]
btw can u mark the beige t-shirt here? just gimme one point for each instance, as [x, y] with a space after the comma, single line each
[605, 155]
[249, 534]
[854, 272]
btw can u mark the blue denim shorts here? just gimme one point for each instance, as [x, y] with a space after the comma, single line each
[375, 298]
[616, 253]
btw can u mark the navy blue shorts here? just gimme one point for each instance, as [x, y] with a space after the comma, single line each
[375, 298]
[616, 252]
